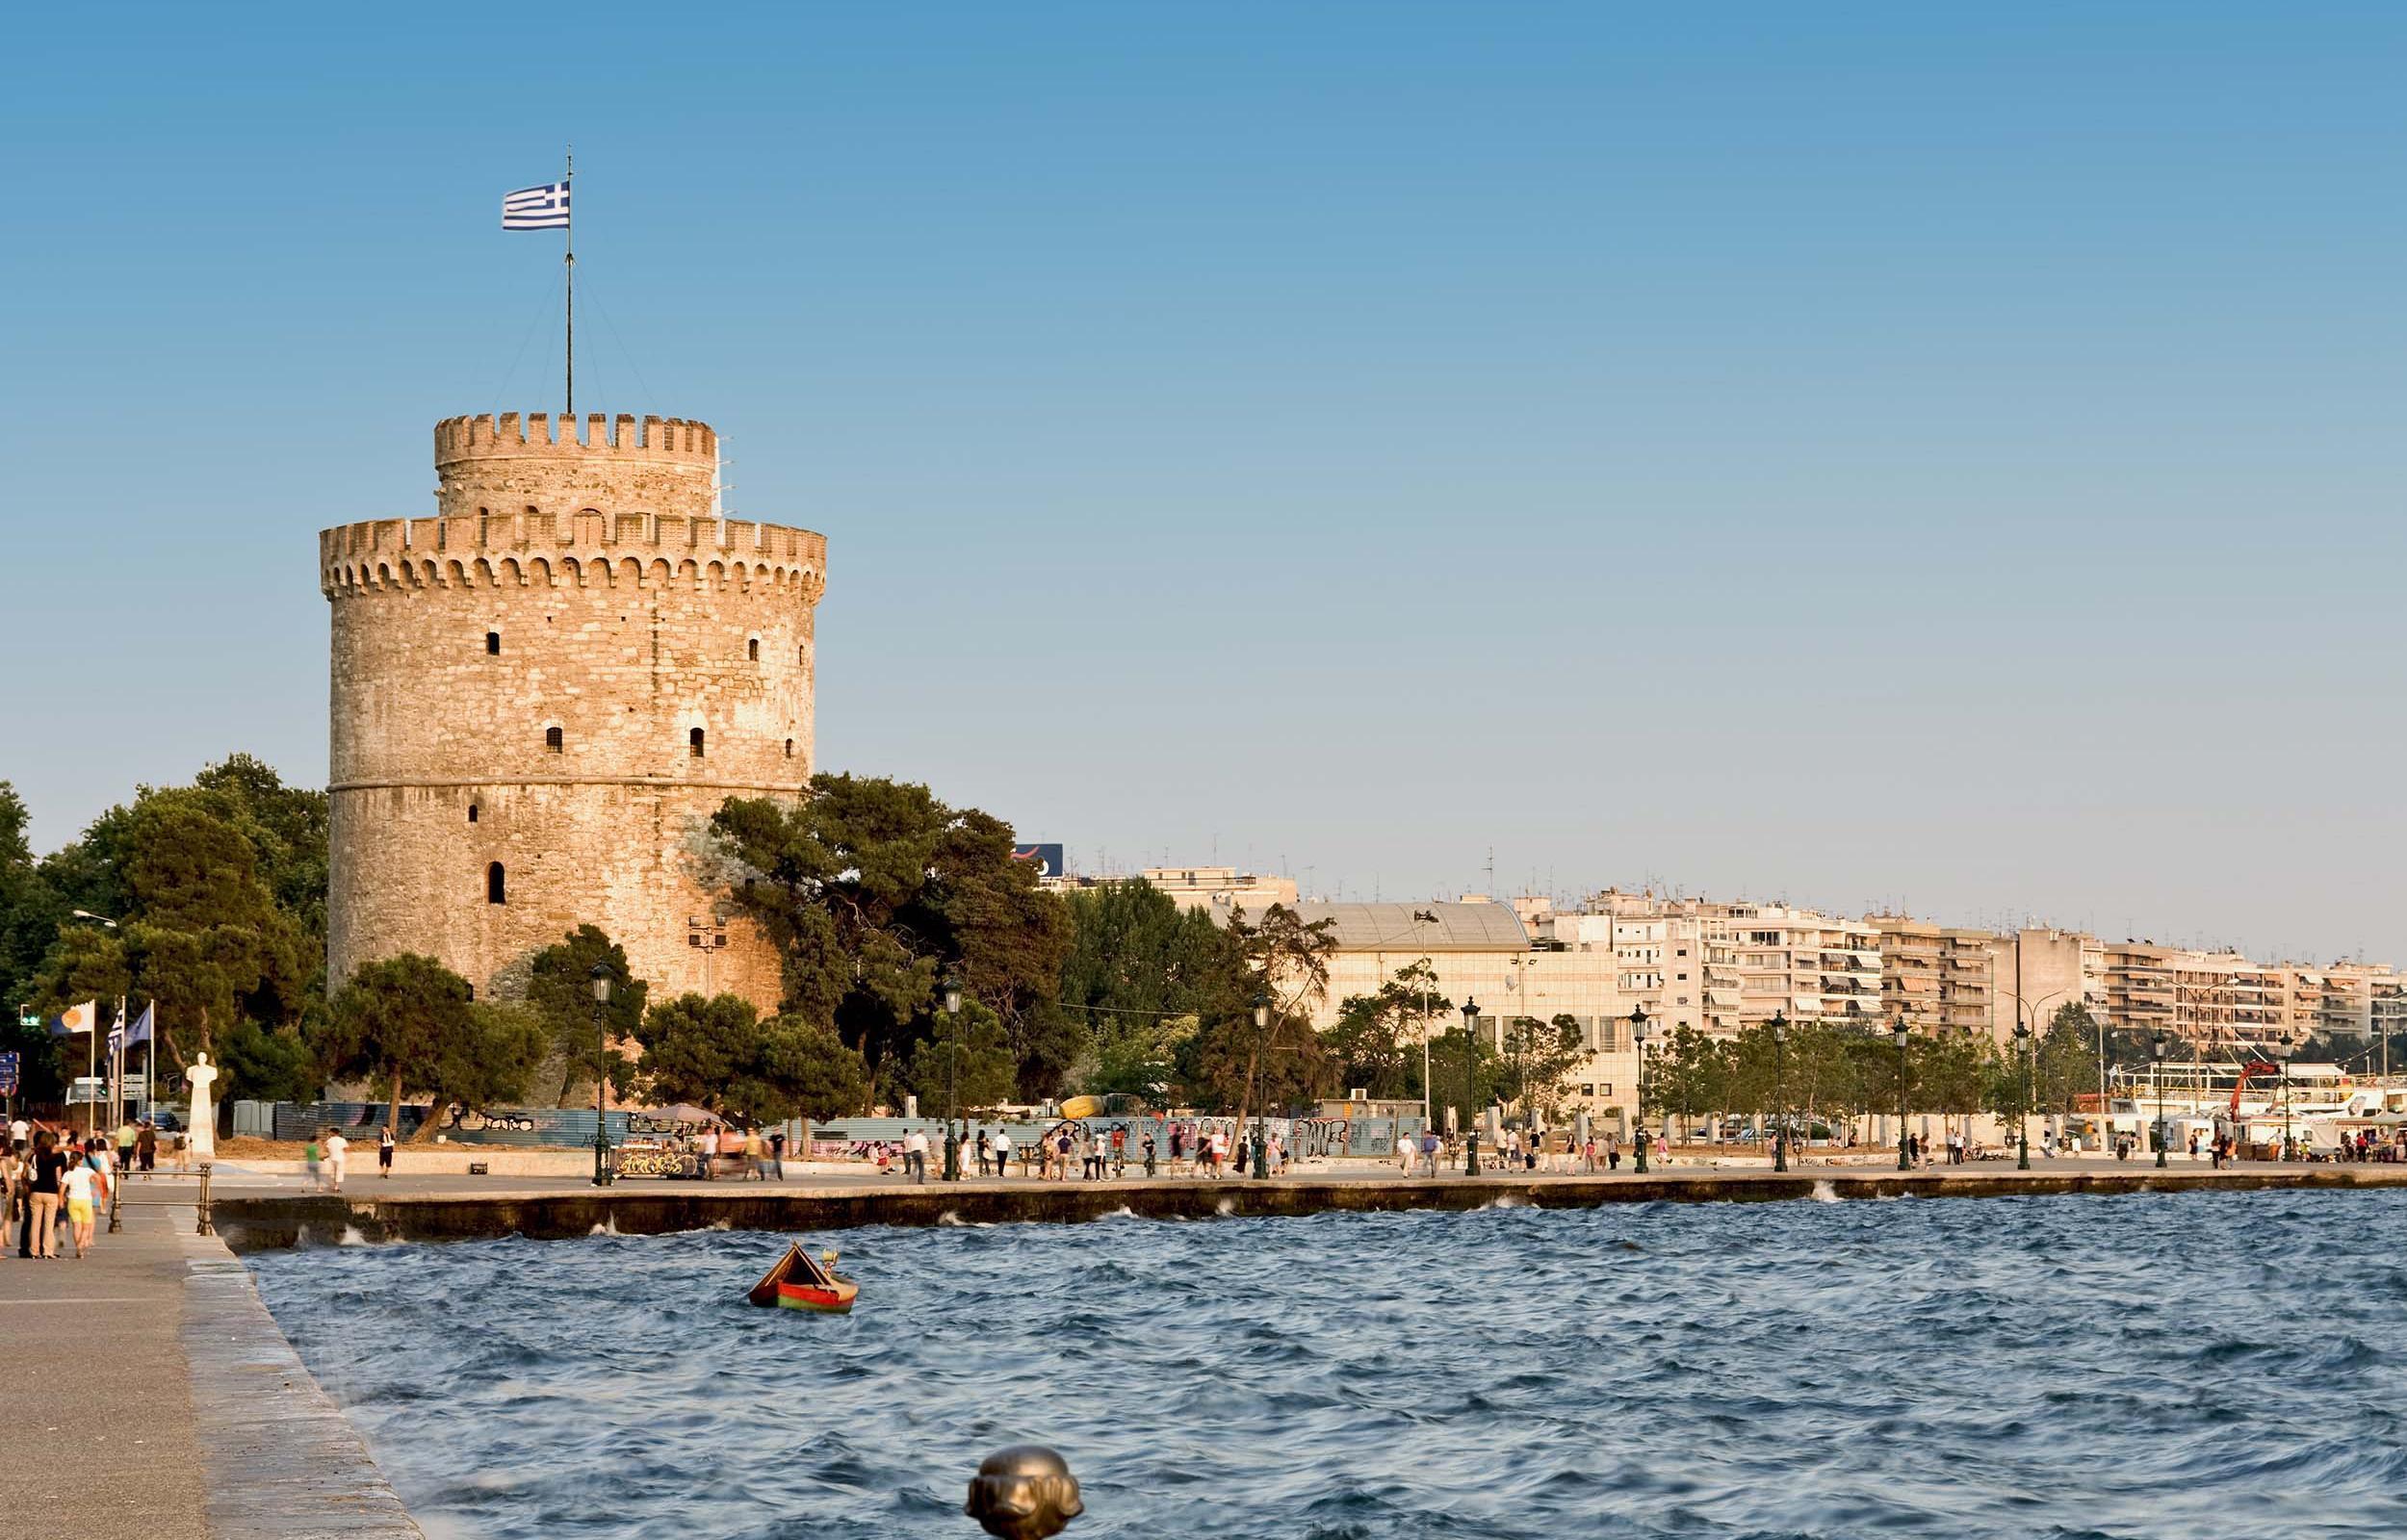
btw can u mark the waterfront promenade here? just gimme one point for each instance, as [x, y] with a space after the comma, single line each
[155, 1397]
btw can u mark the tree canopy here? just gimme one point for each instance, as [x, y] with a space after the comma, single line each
[873, 891]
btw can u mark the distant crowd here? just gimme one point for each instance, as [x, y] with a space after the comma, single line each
[57, 1182]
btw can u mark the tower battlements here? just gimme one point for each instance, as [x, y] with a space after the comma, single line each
[536, 464]
[471, 549]
[623, 436]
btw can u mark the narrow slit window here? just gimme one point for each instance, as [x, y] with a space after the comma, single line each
[472, 813]
[552, 739]
[495, 885]
[790, 748]
[493, 644]
[752, 650]
[694, 743]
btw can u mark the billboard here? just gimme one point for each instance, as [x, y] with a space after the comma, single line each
[1047, 859]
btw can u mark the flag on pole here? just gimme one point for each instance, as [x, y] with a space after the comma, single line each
[75, 1018]
[117, 1039]
[536, 208]
[139, 1031]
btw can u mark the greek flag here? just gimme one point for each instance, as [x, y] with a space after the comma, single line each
[536, 208]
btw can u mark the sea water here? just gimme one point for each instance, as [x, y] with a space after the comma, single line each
[2209, 1364]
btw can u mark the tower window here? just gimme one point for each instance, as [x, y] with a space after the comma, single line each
[472, 813]
[493, 644]
[790, 748]
[496, 890]
[694, 743]
[552, 739]
[802, 654]
[752, 650]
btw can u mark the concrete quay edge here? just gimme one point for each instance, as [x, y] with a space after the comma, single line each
[269, 1222]
[282, 1462]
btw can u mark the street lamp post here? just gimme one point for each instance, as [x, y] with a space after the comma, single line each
[601, 977]
[1471, 1086]
[2156, 1059]
[952, 1072]
[1638, 1035]
[1899, 1036]
[2285, 1052]
[1779, 1091]
[1262, 1027]
[91, 1046]
[2021, 1103]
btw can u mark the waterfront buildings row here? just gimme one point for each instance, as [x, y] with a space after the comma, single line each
[1719, 967]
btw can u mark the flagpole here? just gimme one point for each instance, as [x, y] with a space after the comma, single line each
[568, 198]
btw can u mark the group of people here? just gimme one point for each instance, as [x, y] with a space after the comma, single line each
[55, 1184]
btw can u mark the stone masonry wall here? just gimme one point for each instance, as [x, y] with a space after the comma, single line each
[577, 587]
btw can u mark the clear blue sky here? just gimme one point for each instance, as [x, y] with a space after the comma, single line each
[1930, 453]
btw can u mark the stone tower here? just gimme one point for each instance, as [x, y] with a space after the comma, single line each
[540, 695]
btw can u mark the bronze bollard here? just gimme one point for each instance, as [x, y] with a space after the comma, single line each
[1023, 1493]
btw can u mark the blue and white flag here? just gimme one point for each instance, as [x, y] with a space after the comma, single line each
[117, 1039]
[536, 208]
[139, 1031]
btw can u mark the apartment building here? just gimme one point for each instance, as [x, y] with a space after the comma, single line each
[1222, 888]
[1939, 978]
[1723, 967]
[1656, 947]
[1484, 957]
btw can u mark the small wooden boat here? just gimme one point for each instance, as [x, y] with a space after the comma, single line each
[799, 1283]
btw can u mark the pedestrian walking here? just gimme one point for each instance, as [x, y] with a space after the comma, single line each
[1405, 1151]
[1002, 1153]
[915, 1156]
[311, 1162]
[338, 1151]
[79, 1183]
[777, 1154]
[16, 1191]
[146, 1146]
[1149, 1154]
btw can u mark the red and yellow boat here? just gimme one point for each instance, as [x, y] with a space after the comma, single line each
[799, 1283]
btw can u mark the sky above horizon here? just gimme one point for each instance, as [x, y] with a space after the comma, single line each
[1945, 457]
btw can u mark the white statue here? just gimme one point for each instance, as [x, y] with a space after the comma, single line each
[200, 1074]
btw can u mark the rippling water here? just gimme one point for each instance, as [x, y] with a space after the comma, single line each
[2221, 1365]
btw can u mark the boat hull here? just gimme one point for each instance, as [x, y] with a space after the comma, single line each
[835, 1299]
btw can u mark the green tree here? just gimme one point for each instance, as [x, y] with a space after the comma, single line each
[1140, 974]
[984, 1073]
[1690, 1077]
[1232, 1061]
[1537, 1055]
[694, 1048]
[804, 1071]
[718, 1053]
[1376, 1040]
[1466, 1091]
[262, 1064]
[559, 987]
[406, 1024]
[873, 889]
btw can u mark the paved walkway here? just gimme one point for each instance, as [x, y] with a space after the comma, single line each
[285, 1179]
[153, 1396]
[102, 1441]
